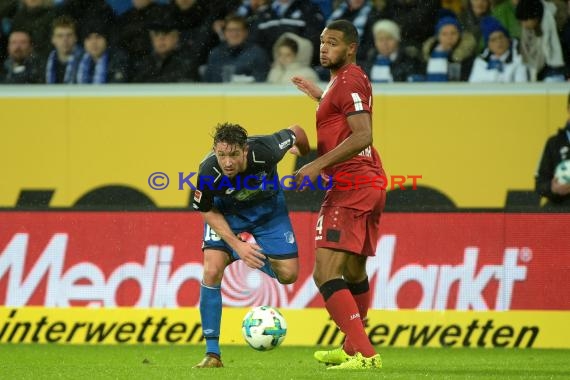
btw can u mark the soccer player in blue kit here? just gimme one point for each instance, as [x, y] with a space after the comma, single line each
[238, 190]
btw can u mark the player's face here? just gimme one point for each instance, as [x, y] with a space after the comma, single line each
[334, 51]
[231, 158]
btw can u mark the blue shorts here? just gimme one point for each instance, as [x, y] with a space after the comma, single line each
[273, 232]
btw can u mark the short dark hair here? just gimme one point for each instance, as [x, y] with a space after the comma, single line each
[237, 19]
[64, 22]
[231, 134]
[290, 43]
[348, 30]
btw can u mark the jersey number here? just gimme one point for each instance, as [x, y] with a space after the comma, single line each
[211, 235]
[319, 228]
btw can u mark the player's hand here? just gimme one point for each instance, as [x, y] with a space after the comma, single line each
[308, 87]
[309, 172]
[559, 188]
[251, 255]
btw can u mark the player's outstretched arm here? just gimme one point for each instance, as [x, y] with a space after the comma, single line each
[301, 146]
[308, 87]
[249, 253]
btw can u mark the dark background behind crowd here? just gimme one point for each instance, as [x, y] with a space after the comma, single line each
[146, 41]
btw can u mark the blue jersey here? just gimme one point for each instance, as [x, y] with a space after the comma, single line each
[252, 194]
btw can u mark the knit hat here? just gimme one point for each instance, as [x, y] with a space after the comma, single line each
[490, 25]
[387, 26]
[529, 9]
[447, 20]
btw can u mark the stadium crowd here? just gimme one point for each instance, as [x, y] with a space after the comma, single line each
[152, 41]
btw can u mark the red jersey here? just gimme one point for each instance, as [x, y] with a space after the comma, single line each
[348, 93]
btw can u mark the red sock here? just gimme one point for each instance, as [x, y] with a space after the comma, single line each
[343, 310]
[363, 303]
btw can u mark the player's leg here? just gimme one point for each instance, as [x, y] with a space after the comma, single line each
[357, 278]
[216, 259]
[329, 267]
[277, 240]
[357, 281]
[285, 269]
[342, 231]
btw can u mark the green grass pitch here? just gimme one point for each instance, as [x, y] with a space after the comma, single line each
[241, 362]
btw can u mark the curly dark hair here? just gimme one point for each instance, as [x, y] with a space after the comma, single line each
[232, 134]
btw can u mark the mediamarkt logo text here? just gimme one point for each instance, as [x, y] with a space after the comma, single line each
[160, 283]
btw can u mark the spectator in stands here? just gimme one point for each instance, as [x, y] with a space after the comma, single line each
[301, 17]
[167, 63]
[235, 59]
[556, 150]
[249, 8]
[416, 18]
[355, 11]
[100, 64]
[471, 17]
[196, 37]
[388, 62]
[449, 54]
[86, 12]
[292, 57]
[21, 66]
[325, 6]
[540, 44]
[500, 61]
[8, 9]
[504, 11]
[36, 16]
[132, 35]
[62, 62]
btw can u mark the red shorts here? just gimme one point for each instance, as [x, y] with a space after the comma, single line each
[350, 220]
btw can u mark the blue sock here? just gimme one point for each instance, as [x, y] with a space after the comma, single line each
[211, 315]
[266, 268]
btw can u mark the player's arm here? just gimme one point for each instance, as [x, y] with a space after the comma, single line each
[360, 138]
[249, 253]
[301, 146]
[272, 148]
[308, 87]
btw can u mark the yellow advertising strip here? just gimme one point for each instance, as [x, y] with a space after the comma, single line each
[309, 327]
[472, 143]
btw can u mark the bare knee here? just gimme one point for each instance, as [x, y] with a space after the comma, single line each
[286, 270]
[288, 277]
[212, 275]
[213, 272]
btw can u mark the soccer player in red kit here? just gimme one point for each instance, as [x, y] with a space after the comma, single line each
[347, 227]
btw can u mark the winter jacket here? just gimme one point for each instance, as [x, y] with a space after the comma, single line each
[463, 52]
[247, 59]
[508, 68]
[301, 67]
[402, 68]
[29, 71]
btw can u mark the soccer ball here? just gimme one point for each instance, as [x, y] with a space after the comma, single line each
[562, 172]
[264, 328]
